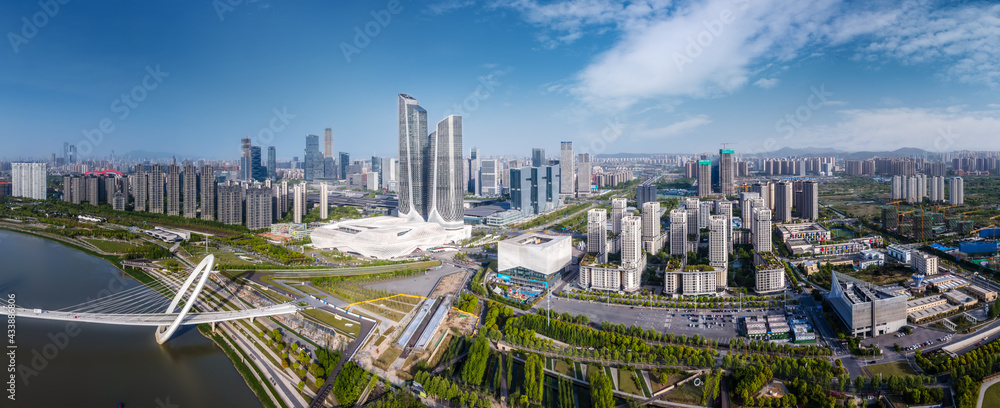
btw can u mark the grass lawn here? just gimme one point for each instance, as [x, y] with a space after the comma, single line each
[671, 380]
[387, 358]
[562, 367]
[992, 396]
[306, 289]
[381, 311]
[685, 394]
[626, 382]
[115, 247]
[342, 325]
[896, 368]
[221, 257]
[610, 374]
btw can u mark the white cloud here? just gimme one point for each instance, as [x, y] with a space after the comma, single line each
[711, 48]
[672, 130]
[767, 83]
[448, 6]
[936, 130]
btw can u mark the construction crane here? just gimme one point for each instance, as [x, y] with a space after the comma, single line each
[992, 224]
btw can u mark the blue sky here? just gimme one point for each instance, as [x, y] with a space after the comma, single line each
[612, 76]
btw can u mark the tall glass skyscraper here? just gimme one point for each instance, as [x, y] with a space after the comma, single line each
[314, 158]
[446, 192]
[272, 163]
[412, 146]
[345, 164]
[727, 174]
[432, 184]
[256, 170]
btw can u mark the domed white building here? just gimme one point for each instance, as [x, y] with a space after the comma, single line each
[385, 237]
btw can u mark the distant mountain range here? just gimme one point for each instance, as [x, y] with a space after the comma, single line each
[805, 152]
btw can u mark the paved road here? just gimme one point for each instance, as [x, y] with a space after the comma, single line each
[282, 382]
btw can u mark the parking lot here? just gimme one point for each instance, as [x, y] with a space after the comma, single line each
[704, 322]
[918, 340]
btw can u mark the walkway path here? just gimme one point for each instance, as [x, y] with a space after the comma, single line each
[982, 389]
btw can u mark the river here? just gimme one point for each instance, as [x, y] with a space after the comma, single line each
[64, 364]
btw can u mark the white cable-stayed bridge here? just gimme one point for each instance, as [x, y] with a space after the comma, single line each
[140, 306]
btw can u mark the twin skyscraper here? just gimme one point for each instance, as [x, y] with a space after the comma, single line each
[431, 182]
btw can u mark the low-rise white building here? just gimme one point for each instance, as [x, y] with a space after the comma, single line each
[534, 259]
[899, 252]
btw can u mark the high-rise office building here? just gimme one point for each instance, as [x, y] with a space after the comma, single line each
[389, 176]
[28, 180]
[299, 203]
[761, 230]
[810, 200]
[258, 207]
[190, 186]
[783, 202]
[727, 179]
[230, 200]
[257, 172]
[534, 190]
[475, 158]
[324, 202]
[140, 188]
[650, 220]
[447, 186]
[631, 241]
[718, 249]
[328, 143]
[330, 168]
[155, 190]
[283, 198]
[272, 163]
[678, 231]
[489, 178]
[345, 164]
[645, 193]
[566, 168]
[313, 159]
[704, 178]
[173, 190]
[208, 187]
[584, 171]
[618, 206]
[413, 143]
[246, 171]
[597, 231]
[956, 194]
[538, 157]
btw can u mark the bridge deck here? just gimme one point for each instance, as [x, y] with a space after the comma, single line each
[156, 319]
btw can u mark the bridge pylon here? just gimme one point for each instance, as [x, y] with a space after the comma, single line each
[204, 269]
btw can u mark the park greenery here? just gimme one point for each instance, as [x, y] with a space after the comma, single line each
[355, 288]
[350, 383]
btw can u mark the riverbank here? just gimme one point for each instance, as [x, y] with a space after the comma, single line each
[150, 281]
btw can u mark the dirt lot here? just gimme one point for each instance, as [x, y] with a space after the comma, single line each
[450, 284]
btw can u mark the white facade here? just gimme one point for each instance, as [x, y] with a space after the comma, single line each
[761, 230]
[650, 220]
[324, 202]
[704, 212]
[631, 241]
[957, 194]
[566, 169]
[383, 237]
[28, 180]
[693, 283]
[718, 249]
[678, 232]
[924, 263]
[898, 252]
[597, 231]
[543, 254]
